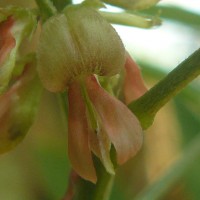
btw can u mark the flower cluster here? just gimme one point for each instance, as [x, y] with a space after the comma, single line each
[76, 47]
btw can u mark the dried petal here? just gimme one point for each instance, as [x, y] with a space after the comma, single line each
[78, 136]
[120, 124]
[77, 43]
[134, 86]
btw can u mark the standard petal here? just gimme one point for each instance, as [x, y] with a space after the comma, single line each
[78, 135]
[134, 86]
[120, 124]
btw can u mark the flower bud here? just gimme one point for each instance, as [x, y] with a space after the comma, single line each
[15, 25]
[132, 4]
[77, 43]
[18, 107]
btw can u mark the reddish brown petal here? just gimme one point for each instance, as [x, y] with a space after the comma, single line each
[78, 136]
[7, 41]
[134, 86]
[118, 121]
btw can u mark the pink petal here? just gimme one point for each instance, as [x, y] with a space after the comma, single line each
[134, 86]
[120, 124]
[78, 136]
[7, 41]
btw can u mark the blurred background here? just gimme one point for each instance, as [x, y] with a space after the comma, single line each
[168, 166]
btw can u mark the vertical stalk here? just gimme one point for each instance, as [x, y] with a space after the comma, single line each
[47, 9]
[146, 107]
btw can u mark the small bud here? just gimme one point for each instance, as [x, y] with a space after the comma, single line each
[15, 25]
[78, 43]
[132, 4]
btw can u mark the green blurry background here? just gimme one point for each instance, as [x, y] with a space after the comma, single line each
[168, 166]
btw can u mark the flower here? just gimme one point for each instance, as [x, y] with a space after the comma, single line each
[15, 25]
[19, 85]
[18, 106]
[73, 47]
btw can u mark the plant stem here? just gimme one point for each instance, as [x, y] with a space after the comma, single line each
[146, 107]
[128, 19]
[100, 191]
[61, 4]
[47, 9]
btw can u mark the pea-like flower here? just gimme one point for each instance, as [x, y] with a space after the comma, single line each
[15, 25]
[18, 106]
[19, 85]
[75, 48]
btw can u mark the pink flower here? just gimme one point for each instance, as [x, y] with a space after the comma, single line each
[18, 106]
[73, 47]
[15, 25]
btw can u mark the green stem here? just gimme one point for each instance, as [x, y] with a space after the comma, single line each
[146, 107]
[130, 19]
[47, 9]
[100, 191]
[61, 4]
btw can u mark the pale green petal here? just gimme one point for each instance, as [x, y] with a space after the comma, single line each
[77, 43]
